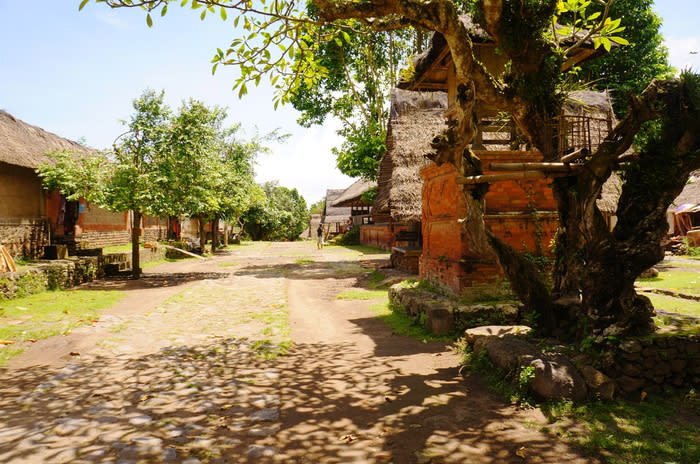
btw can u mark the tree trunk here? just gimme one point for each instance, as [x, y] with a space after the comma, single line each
[214, 234]
[135, 251]
[225, 234]
[202, 234]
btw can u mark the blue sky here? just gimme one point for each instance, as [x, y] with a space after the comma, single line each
[76, 73]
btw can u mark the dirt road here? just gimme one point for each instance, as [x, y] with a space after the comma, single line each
[179, 371]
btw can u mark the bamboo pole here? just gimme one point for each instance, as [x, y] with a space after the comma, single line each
[534, 166]
[574, 155]
[500, 177]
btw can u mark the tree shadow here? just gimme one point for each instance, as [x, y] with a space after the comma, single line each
[222, 402]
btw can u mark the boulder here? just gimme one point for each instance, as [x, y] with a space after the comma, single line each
[598, 382]
[500, 331]
[555, 376]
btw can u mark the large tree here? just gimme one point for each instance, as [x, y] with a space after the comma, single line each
[595, 269]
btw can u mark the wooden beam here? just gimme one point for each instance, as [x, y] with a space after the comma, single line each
[575, 155]
[561, 167]
[500, 177]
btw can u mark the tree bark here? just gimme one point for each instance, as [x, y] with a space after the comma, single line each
[202, 234]
[135, 251]
[214, 234]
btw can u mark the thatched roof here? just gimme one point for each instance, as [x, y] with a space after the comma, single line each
[22, 144]
[690, 193]
[335, 213]
[416, 118]
[438, 45]
[353, 193]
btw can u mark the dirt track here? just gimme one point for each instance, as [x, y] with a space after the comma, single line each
[174, 374]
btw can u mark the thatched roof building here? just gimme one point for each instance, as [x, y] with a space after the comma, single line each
[24, 145]
[352, 196]
[690, 194]
[335, 214]
[416, 118]
[432, 66]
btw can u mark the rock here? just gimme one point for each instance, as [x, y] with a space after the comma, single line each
[500, 331]
[631, 346]
[629, 384]
[265, 415]
[556, 378]
[631, 370]
[678, 365]
[439, 318]
[598, 382]
[257, 451]
[649, 273]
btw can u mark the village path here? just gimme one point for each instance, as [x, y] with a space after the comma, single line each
[183, 370]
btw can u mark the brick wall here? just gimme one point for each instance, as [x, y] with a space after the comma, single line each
[519, 212]
[24, 237]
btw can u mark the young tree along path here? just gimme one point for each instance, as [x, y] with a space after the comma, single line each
[177, 373]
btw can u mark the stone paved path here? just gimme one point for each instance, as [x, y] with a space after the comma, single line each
[180, 372]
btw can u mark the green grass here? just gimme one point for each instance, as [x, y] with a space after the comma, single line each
[227, 264]
[118, 248]
[359, 294]
[682, 281]
[304, 261]
[156, 262]
[364, 249]
[49, 313]
[657, 430]
[402, 324]
[675, 305]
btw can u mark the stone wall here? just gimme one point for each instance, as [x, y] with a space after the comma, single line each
[94, 239]
[51, 275]
[24, 237]
[650, 363]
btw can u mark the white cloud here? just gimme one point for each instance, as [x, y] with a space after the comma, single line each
[680, 52]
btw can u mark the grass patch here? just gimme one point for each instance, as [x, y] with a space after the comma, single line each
[675, 305]
[304, 261]
[364, 249]
[658, 430]
[156, 262]
[682, 281]
[118, 248]
[402, 324]
[50, 313]
[359, 294]
[227, 264]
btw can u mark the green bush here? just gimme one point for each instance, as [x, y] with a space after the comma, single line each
[351, 237]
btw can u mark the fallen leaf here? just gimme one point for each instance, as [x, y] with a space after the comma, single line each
[74, 353]
[65, 311]
[6, 342]
[67, 332]
[644, 395]
[21, 308]
[33, 340]
[522, 452]
[94, 321]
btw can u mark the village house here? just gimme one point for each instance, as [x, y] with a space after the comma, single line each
[684, 213]
[32, 218]
[353, 198]
[518, 208]
[334, 218]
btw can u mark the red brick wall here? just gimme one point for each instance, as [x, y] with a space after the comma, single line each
[519, 212]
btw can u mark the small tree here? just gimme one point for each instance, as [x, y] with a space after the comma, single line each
[129, 178]
[282, 216]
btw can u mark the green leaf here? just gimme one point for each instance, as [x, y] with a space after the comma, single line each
[223, 13]
[164, 10]
[619, 40]
[82, 4]
[149, 20]
[204, 13]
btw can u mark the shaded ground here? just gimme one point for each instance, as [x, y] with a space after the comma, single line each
[177, 372]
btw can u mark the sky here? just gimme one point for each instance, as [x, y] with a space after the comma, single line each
[76, 73]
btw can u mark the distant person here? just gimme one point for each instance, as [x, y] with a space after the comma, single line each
[319, 238]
